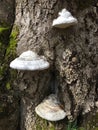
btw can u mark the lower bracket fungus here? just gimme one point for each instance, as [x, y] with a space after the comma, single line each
[64, 20]
[29, 60]
[50, 109]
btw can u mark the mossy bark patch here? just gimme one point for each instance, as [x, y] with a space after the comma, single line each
[11, 49]
[8, 53]
[9, 108]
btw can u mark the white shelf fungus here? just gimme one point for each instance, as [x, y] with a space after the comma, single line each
[64, 20]
[50, 109]
[29, 60]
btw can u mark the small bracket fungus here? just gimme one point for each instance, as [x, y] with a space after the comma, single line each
[29, 60]
[50, 109]
[64, 20]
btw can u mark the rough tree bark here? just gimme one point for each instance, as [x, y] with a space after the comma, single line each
[72, 54]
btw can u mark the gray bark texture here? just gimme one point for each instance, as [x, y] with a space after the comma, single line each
[71, 52]
[7, 12]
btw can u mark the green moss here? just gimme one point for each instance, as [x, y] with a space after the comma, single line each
[4, 34]
[91, 122]
[8, 53]
[81, 128]
[9, 56]
[8, 86]
[52, 128]
[42, 124]
[1, 70]
[2, 29]
[11, 49]
[72, 125]
[1, 109]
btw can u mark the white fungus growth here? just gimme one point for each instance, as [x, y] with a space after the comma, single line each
[50, 109]
[29, 60]
[28, 55]
[64, 20]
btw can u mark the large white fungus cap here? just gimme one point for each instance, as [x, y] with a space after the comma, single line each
[50, 109]
[65, 19]
[29, 60]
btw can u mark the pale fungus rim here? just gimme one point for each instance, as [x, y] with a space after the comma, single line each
[47, 111]
[30, 61]
[64, 20]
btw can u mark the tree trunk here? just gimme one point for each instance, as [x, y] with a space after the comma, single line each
[71, 52]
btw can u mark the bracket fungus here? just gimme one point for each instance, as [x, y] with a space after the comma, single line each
[50, 109]
[29, 60]
[64, 20]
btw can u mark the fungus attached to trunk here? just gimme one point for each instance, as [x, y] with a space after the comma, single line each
[50, 109]
[29, 60]
[64, 20]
